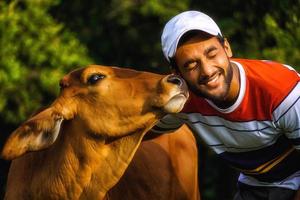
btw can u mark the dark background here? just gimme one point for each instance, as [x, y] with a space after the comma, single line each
[43, 39]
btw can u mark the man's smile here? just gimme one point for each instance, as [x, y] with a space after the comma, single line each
[211, 81]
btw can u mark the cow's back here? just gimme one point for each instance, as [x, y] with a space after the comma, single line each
[164, 167]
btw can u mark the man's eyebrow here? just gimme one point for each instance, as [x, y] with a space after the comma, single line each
[209, 49]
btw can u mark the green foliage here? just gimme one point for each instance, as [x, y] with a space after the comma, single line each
[121, 32]
[35, 53]
[286, 41]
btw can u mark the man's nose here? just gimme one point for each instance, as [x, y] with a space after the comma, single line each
[206, 69]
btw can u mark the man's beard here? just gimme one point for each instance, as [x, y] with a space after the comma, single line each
[217, 99]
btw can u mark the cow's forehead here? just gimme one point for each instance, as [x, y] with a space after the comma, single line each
[83, 73]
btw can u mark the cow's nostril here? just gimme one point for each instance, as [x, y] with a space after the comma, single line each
[175, 80]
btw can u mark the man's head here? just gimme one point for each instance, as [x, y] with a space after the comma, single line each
[183, 23]
[193, 44]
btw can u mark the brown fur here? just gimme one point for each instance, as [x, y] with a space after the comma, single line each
[163, 167]
[80, 146]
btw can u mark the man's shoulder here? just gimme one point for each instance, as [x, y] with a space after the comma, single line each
[269, 81]
[262, 68]
[269, 75]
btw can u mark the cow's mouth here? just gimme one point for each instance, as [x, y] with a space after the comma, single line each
[176, 103]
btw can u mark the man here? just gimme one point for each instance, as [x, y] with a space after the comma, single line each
[247, 111]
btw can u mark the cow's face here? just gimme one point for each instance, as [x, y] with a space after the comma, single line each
[104, 101]
[114, 101]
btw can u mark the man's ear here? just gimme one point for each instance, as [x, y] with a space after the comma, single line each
[227, 48]
[39, 132]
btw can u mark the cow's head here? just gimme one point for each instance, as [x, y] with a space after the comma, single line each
[107, 102]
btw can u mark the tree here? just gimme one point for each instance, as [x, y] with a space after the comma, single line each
[121, 32]
[35, 52]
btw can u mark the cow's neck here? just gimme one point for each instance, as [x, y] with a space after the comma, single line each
[87, 167]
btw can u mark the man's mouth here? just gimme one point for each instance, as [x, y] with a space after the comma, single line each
[211, 81]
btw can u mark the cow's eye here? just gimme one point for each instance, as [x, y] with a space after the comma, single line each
[94, 78]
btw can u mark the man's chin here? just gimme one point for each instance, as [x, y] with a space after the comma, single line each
[215, 96]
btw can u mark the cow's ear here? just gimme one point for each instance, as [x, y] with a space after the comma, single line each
[39, 132]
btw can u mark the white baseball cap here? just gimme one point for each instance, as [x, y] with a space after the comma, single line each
[182, 23]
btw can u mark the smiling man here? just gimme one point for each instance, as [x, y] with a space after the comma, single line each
[247, 111]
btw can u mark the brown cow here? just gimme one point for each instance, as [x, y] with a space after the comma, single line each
[163, 168]
[80, 146]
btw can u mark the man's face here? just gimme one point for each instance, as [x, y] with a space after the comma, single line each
[204, 63]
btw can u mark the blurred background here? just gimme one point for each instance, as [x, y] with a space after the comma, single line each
[43, 39]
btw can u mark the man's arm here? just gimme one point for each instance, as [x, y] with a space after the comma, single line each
[168, 124]
[287, 116]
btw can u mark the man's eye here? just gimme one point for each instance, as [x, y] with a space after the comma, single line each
[191, 65]
[94, 78]
[212, 54]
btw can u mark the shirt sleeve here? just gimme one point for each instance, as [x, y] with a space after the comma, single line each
[168, 124]
[292, 69]
[287, 116]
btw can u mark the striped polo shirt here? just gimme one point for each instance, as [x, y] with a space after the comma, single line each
[259, 135]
